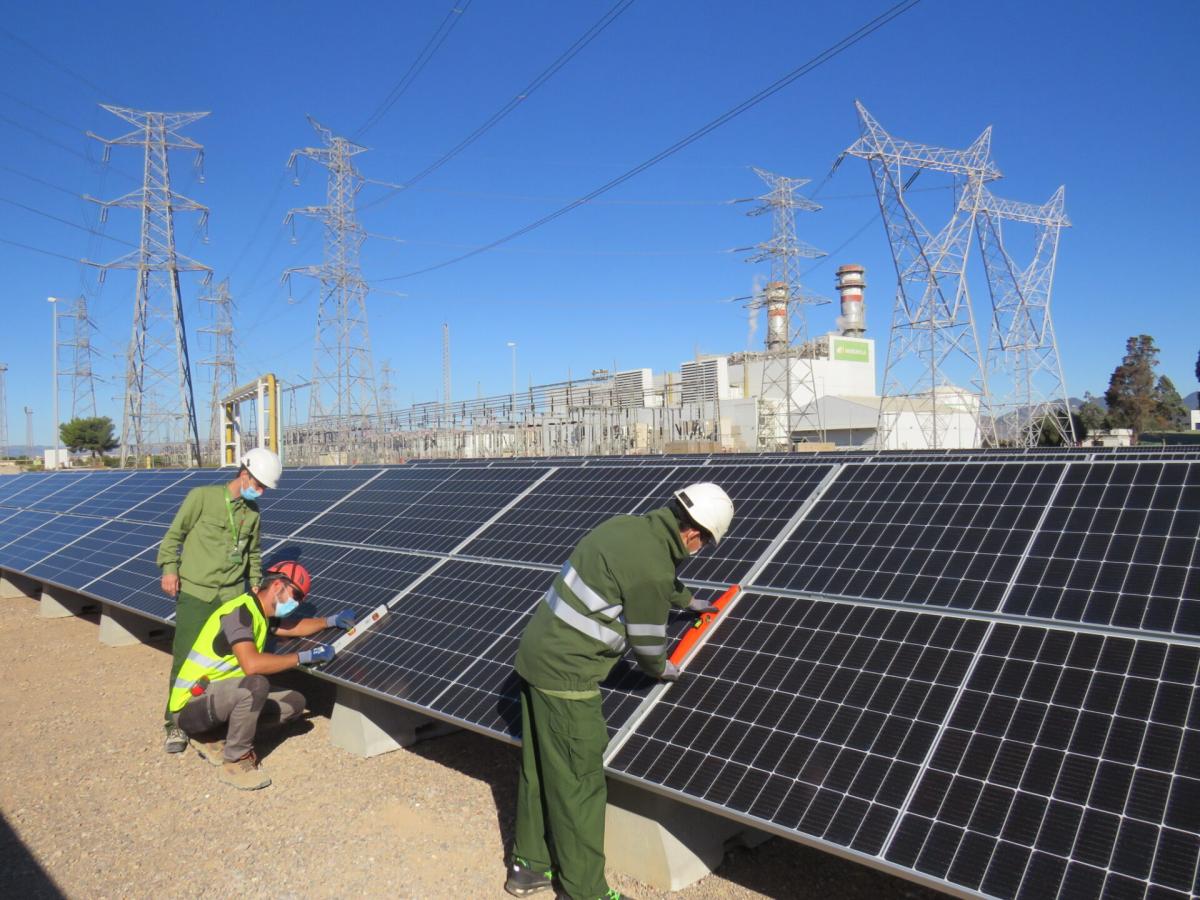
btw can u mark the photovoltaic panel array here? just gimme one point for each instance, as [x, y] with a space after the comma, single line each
[809, 717]
[1070, 767]
[78, 564]
[765, 497]
[135, 584]
[117, 499]
[948, 535]
[44, 540]
[1118, 547]
[304, 495]
[547, 523]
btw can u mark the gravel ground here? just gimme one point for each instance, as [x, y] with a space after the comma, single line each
[92, 807]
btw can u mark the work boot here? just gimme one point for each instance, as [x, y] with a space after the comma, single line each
[176, 741]
[245, 774]
[212, 752]
[524, 880]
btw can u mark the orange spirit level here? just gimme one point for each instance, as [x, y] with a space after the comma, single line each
[684, 647]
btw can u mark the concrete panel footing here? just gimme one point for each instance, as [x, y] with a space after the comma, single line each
[13, 585]
[57, 603]
[120, 628]
[368, 726]
[664, 843]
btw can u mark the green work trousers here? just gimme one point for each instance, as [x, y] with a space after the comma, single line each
[190, 615]
[562, 793]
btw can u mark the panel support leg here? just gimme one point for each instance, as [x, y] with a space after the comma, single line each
[58, 603]
[120, 628]
[664, 843]
[368, 726]
[13, 585]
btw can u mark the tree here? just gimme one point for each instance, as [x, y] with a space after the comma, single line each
[1170, 409]
[94, 435]
[1198, 366]
[1131, 397]
[1092, 415]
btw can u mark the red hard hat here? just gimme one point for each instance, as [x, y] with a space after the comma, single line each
[293, 572]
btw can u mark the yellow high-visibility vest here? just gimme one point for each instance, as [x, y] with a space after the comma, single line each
[202, 660]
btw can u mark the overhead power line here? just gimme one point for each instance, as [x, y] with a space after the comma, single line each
[821, 58]
[545, 75]
[71, 259]
[55, 218]
[431, 47]
[53, 63]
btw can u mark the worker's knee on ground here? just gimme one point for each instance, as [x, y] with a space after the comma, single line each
[259, 687]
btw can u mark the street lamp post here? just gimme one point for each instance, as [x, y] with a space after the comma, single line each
[53, 301]
[513, 346]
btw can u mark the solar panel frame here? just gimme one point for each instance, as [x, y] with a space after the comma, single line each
[95, 554]
[38, 543]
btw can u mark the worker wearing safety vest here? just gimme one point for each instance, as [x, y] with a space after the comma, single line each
[209, 552]
[223, 680]
[615, 591]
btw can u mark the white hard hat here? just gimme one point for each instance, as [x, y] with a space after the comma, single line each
[708, 506]
[264, 466]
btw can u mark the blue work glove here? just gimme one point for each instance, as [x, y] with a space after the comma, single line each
[700, 607]
[318, 654]
[670, 672]
[344, 619]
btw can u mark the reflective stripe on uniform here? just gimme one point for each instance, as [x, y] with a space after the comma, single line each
[582, 623]
[216, 665]
[646, 630]
[651, 650]
[588, 597]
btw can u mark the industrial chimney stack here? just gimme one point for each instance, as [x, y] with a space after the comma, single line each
[850, 283]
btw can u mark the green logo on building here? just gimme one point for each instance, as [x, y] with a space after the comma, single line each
[848, 350]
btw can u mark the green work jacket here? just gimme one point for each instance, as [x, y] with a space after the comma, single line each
[614, 592]
[213, 544]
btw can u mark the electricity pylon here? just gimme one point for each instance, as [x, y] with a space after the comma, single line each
[386, 403]
[1024, 370]
[343, 379]
[788, 401]
[157, 364]
[223, 361]
[75, 343]
[933, 337]
[446, 369]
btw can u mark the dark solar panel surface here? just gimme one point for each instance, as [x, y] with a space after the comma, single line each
[765, 497]
[377, 503]
[814, 717]
[117, 499]
[135, 585]
[949, 535]
[37, 491]
[547, 523]
[11, 485]
[44, 540]
[1070, 768]
[448, 646]
[77, 489]
[303, 495]
[90, 557]
[18, 525]
[1120, 546]
[160, 508]
[346, 578]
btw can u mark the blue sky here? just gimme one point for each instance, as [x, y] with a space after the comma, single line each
[1099, 96]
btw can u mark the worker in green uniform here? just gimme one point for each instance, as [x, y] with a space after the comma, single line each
[615, 591]
[209, 552]
[223, 680]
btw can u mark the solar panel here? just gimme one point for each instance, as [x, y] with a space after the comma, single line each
[36, 492]
[303, 495]
[765, 497]
[73, 490]
[40, 542]
[135, 585]
[448, 646]
[19, 524]
[806, 716]
[11, 485]
[948, 535]
[346, 578]
[545, 525]
[88, 558]
[1119, 546]
[160, 508]
[1070, 768]
[119, 498]
[435, 519]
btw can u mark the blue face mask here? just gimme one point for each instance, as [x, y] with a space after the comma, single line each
[285, 608]
[249, 493]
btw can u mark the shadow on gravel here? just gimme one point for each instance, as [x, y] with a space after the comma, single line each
[22, 877]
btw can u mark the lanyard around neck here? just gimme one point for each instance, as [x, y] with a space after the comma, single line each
[235, 532]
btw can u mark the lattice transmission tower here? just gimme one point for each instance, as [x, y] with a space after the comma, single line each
[159, 403]
[343, 377]
[76, 351]
[933, 338]
[387, 403]
[446, 369]
[1024, 370]
[788, 399]
[222, 362]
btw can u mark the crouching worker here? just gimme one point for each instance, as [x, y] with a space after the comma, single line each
[224, 678]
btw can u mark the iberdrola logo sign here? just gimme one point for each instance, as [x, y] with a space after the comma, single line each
[848, 350]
